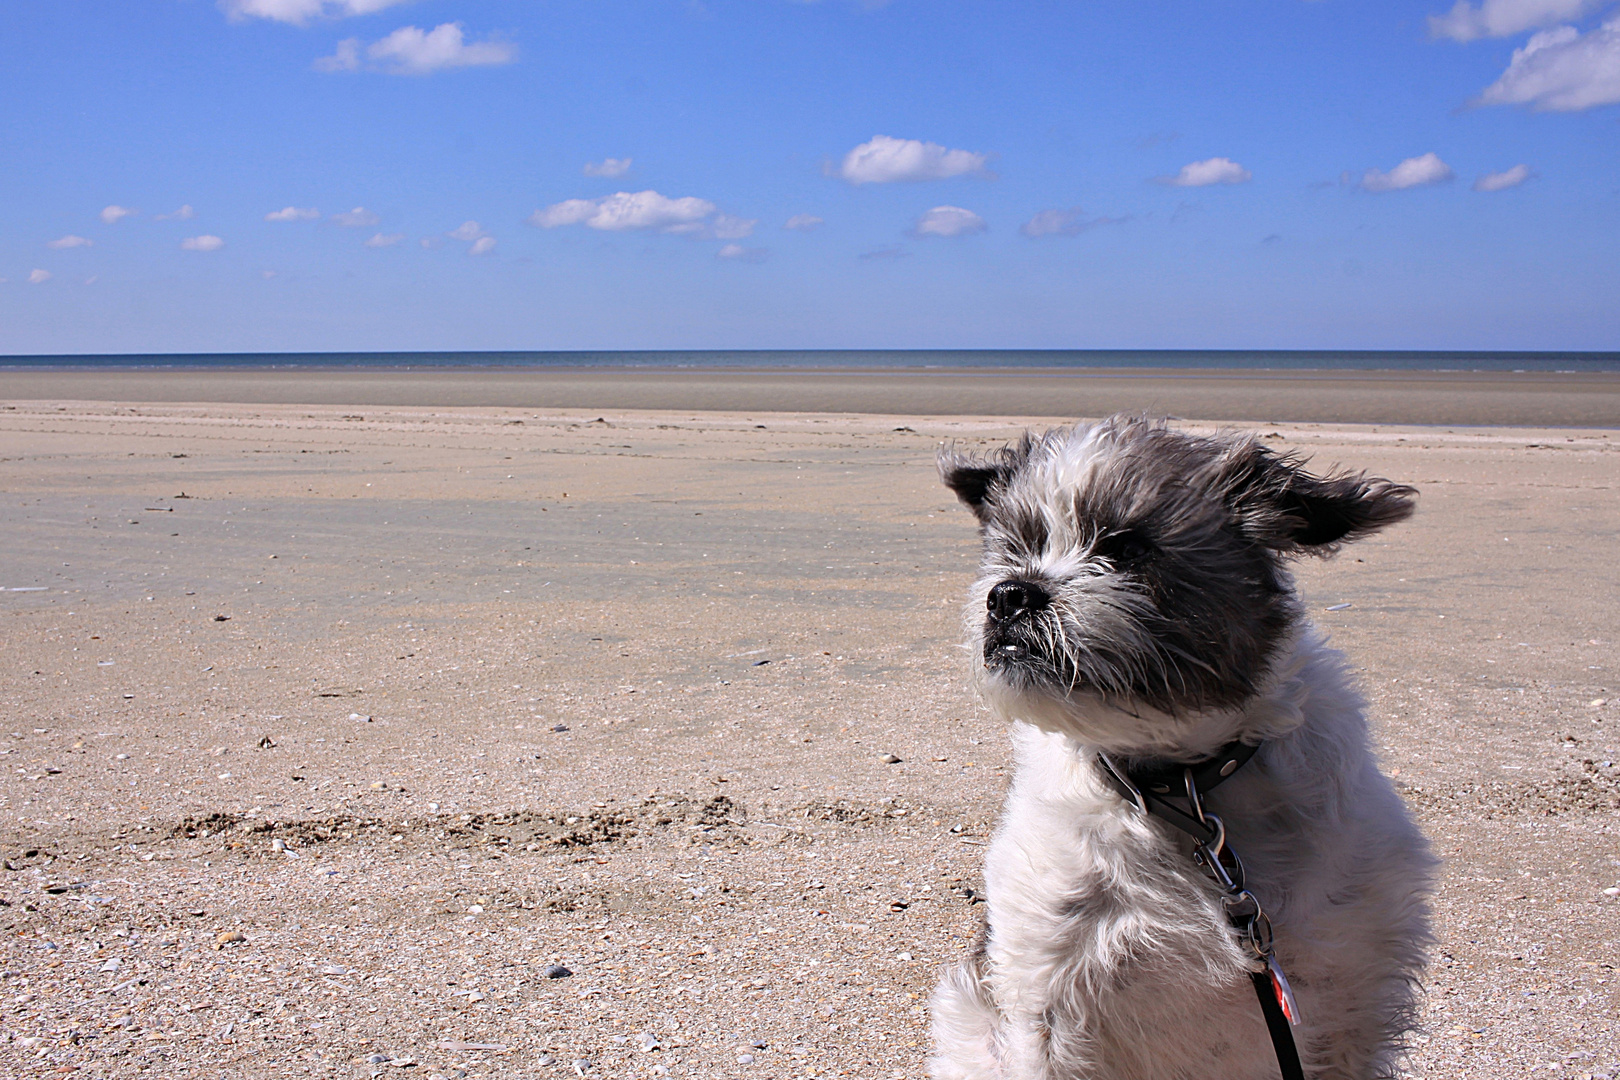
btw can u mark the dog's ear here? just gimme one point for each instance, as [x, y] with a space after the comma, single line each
[978, 478]
[1277, 503]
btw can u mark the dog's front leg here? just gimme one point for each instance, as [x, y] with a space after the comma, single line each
[1025, 957]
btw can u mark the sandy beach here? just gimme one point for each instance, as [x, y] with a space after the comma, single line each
[543, 727]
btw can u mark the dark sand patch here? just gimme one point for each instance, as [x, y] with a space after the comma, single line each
[1368, 397]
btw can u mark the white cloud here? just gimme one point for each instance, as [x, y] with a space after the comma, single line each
[358, 218]
[69, 241]
[1413, 172]
[1504, 18]
[948, 221]
[607, 167]
[730, 227]
[804, 222]
[1561, 70]
[1501, 181]
[300, 12]
[345, 58]
[38, 277]
[185, 213]
[382, 240]
[470, 232]
[567, 212]
[1055, 223]
[884, 160]
[640, 210]
[111, 215]
[295, 213]
[413, 51]
[738, 253]
[1070, 222]
[202, 243]
[1215, 170]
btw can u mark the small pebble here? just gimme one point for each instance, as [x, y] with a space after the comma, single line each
[1612, 891]
[889, 759]
[559, 727]
[111, 965]
[475, 909]
[580, 1066]
[378, 1059]
[745, 1059]
[545, 1059]
[359, 718]
[646, 1041]
[226, 937]
[555, 971]
[278, 844]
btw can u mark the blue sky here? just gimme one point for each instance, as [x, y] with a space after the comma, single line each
[247, 175]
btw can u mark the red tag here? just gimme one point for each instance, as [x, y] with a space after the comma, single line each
[1285, 994]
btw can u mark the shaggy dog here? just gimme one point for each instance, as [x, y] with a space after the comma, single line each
[1134, 613]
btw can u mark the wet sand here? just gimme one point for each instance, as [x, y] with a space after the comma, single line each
[1366, 397]
[331, 728]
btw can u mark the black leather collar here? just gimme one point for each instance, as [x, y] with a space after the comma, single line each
[1150, 786]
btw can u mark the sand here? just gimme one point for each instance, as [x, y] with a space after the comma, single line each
[287, 790]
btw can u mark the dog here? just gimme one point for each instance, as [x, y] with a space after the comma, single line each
[1134, 612]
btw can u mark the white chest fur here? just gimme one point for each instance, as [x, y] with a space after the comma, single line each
[1107, 954]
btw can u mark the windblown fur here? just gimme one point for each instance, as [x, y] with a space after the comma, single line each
[1134, 599]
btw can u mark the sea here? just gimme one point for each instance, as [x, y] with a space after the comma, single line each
[982, 360]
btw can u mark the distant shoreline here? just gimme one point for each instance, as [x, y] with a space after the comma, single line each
[1462, 399]
[1078, 361]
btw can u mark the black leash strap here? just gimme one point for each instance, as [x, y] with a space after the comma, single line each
[1151, 790]
[1282, 1033]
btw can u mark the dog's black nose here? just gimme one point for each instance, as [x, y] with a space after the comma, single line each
[1010, 599]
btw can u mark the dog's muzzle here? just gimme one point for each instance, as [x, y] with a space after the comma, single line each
[1009, 611]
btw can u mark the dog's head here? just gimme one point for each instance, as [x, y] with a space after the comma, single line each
[1134, 576]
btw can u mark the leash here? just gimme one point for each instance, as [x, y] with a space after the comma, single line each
[1150, 791]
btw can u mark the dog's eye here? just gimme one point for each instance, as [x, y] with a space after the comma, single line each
[1123, 546]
